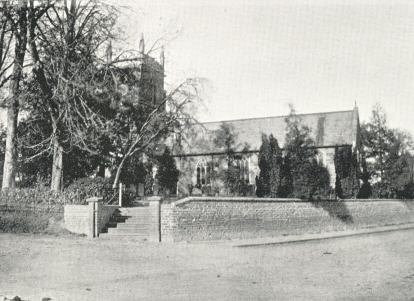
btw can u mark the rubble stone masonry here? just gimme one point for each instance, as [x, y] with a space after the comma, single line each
[209, 218]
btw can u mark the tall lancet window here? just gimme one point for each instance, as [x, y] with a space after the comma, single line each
[202, 173]
[244, 170]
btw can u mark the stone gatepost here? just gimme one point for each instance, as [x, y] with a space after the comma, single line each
[155, 218]
[95, 205]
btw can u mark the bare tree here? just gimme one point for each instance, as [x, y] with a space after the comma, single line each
[84, 96]
[172, 115]
[65, 39]
[17, 16]
[6, 39]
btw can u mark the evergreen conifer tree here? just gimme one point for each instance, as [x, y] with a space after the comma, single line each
[318, 180]
[167, 174]
[366, 190]
[338, 187]
[286, 183]
[307, 175]
[263, 182]
[347, 173]
[342, 170]
[275, 166]
[355, 175]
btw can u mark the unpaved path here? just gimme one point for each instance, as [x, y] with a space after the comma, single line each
[371, 267]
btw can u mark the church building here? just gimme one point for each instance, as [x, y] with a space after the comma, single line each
[199, 162]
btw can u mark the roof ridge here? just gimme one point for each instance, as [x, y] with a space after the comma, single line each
[277, 116]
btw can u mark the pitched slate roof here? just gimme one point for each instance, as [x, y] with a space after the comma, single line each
[327, 129]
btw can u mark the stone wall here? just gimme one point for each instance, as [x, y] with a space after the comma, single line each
[77, 218]
[167, 222]
[237, 218]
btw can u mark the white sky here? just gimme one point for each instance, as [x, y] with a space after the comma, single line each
[261, 55]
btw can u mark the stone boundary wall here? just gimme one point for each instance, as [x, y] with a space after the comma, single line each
[210, 218]
[77, 218]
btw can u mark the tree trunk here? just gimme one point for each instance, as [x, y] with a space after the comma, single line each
[9, 167]
[118, 173]
[57, 168]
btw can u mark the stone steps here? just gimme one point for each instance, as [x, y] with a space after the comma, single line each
[117, 234]
[133, 226]
[129, 222]
[138, 232]
[141, 214]
[135, 221]
[133, 209]
[134, 237]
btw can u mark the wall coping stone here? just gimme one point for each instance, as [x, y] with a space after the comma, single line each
[94, 199]
[154, 199]
[275, 200]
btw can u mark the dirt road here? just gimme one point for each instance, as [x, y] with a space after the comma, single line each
[372, 267]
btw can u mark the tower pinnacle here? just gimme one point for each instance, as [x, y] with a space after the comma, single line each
[162, 56]
[142, 44]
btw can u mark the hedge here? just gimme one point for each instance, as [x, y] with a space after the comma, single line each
[34, 210]
[38, 195]
[27, 221]
[76, 193]
[84, 188]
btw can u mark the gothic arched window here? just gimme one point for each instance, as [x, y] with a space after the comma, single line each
[243, 167]
[202, 173]
[244, 170]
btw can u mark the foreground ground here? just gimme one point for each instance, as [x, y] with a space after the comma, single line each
[370, 267]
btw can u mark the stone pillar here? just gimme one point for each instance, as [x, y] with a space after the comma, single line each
[120, 195]
[155, 218]
[94, 204]
[141, 189]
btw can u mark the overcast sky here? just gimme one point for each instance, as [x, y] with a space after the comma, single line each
[261, 55]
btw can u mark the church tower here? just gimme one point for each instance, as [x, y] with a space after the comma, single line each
[150, 76]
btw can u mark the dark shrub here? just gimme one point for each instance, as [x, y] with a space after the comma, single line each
[30, 210]
[245, 189]
[27, 220]
[84, 188]
[263, 181]
[168, 173]
[365, 192]
[37, 195]
[260, 192]
[338, 187]
[276, 161]
[408, 192]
